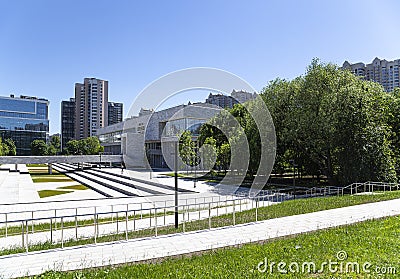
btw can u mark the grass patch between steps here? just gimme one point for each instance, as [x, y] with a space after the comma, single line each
[50, 193]
[74, 187]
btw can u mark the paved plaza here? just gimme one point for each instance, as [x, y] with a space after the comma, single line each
[176, 244]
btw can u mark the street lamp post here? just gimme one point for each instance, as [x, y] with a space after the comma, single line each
[176, 183]
[294, 177]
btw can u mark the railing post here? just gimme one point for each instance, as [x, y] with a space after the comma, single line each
[117, 222]
[257, 200]
[27, 232]
[126, 225]
[62, 232]
[6, 225]
[51, 230]
[233, 213]
[150, 216]
[55, 219]
[209, 216]
[165, 211]
[112, 214]
[23, 233]
[134, 220]
[184, 219]
[199, 209]
[155, 219]
[33, 230]
[76, 223]
[95, 226]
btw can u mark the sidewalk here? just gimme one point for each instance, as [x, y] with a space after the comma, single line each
[33, 263]
[113, 228]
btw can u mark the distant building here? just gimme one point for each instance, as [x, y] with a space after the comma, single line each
[91, 107]
[383, 72]
[243, 96]
[226, 101]
[24, 120]
[115, 113]
[223, 101]
[67, 121]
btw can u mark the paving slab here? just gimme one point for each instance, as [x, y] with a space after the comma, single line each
[33, 263]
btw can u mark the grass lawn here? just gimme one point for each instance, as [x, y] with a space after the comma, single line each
[74, 187]
[49, 193]
[375, 242]
[36, 165]
[50, 178]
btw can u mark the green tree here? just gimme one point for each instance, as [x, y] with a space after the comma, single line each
[38, 147]
[91, 146]
[187, 148]
[333, 123]
[9, 147]
[1, 148]
[224, 155]
[209, 153]
[72, 147]
[54, 145]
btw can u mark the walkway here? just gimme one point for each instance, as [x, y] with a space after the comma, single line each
[33, 263]
[112, 227]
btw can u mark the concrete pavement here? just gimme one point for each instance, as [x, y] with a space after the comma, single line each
[33, 263]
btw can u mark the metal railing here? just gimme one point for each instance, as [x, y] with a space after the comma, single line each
[63, 228]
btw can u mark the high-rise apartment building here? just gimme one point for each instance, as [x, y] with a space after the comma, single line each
[91, 107]
[24, 120]
[382, 71]
[115, 113]
[67, 121]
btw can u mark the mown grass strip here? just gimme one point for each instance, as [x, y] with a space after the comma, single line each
[376, 242]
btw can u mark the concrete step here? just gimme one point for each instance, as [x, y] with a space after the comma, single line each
[101, 189]
[148, 189]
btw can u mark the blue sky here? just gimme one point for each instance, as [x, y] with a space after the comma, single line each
[47, 46]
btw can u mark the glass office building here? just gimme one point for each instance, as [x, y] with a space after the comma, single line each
[24, 119]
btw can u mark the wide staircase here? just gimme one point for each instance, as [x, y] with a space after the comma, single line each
[16, 185]
[111, 184]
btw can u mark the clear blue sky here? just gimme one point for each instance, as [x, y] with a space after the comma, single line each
[47, 46]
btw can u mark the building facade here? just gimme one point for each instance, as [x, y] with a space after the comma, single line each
[383, 72]
[91, 107]
[67, 121]
[142, 136]
[115, 113]
[24, 119]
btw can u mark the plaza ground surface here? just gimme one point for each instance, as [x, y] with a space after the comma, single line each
[137, 250]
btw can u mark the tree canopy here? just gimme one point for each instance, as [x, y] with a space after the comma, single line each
[88, 146]
[329, 121]
[7, 147]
